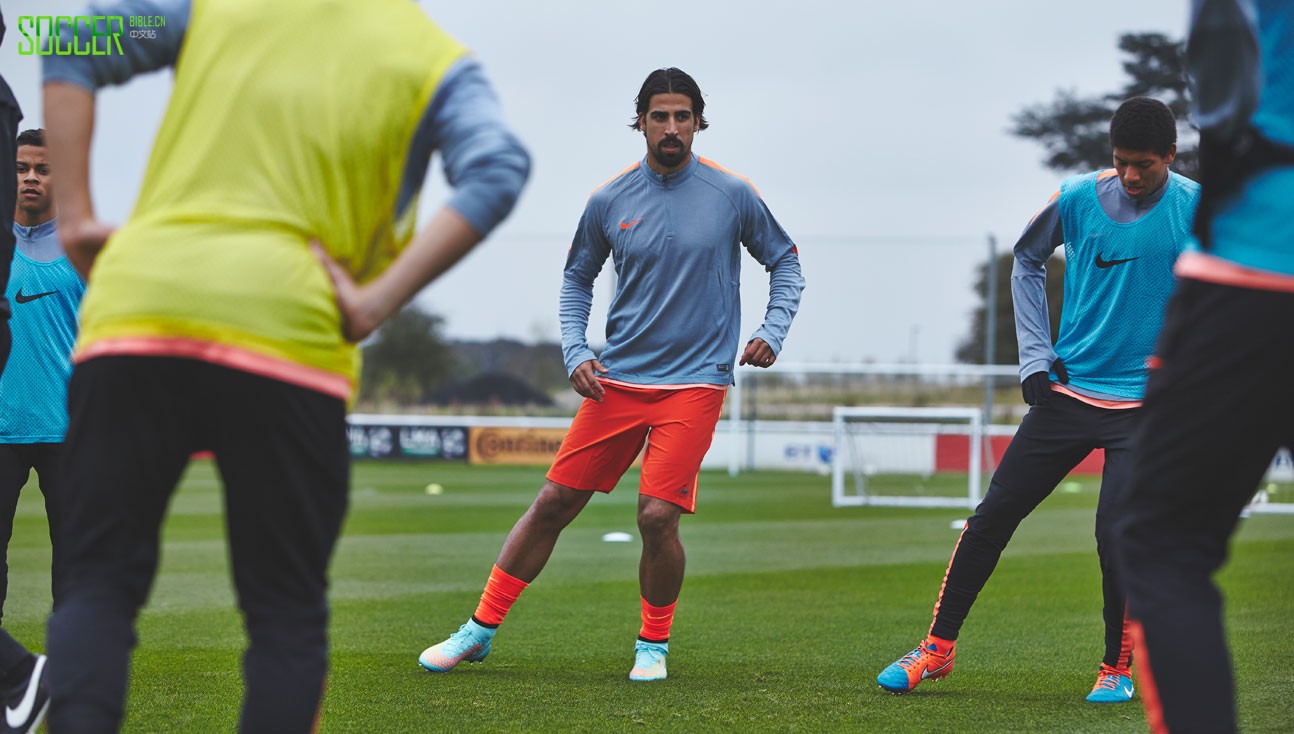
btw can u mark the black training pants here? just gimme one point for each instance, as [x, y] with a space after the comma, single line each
[1053, 438]
[1216, 411]
[16, 462]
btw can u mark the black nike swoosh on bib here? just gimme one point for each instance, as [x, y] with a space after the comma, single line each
[1103, 263]
[28, 299]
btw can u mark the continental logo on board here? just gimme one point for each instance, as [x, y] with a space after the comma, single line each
[518, 446]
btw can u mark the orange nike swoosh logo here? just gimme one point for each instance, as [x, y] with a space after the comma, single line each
[627, 225]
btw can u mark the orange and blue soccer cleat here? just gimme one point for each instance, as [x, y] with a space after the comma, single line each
[471, 643]
[924, 662]
[1113, 685]
[649, 661]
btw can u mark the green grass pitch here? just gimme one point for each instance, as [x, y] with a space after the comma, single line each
[789, 610]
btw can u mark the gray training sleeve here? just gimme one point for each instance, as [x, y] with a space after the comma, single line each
[1029, 289]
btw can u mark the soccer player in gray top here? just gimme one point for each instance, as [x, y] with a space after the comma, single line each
[674, 225]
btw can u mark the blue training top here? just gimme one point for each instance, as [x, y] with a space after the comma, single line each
[1118, 277]
[675, 241]
[44, 296]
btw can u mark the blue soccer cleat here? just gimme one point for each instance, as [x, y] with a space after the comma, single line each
[471, 643]
[649, 661]
[1113, 685]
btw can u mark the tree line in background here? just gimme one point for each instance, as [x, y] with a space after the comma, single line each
[1075, 132]
[410, 362]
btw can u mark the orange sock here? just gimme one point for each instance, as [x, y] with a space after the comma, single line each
[942, 646]
[500, 593]
[656, 622]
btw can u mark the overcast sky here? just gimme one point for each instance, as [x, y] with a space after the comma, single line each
[875, 131]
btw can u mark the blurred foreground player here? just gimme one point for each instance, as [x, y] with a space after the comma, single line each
[211, 322]
[1221, 401]
[10, 116]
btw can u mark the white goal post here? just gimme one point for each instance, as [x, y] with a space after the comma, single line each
[1280, 471]
[890, 428]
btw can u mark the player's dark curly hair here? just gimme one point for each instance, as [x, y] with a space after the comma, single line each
[1143, 124]
[34, 137]
[669, 81]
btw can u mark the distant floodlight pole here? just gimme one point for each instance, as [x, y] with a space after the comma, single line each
[990, 330]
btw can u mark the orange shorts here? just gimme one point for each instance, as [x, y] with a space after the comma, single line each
[677, 425]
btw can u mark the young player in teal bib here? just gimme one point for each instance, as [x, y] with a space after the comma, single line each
[1118, 275]
[1122, 229]
[44, 293]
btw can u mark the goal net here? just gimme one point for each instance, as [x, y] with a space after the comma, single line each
[907, 457]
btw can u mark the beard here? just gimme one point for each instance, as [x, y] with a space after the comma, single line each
[670, 158]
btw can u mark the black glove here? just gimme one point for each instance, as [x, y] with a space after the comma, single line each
[1037, 387]
[1062, 374]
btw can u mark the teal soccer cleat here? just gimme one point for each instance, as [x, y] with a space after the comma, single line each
[471, 643]
[649, 661]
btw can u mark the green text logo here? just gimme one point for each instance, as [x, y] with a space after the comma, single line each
[104, 35]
